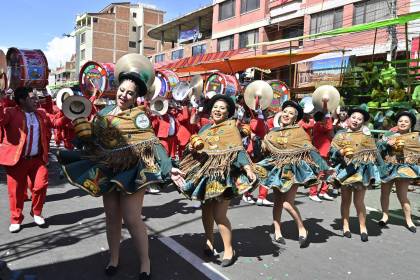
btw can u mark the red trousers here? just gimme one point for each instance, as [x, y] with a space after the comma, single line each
[170, 145]
[262, 192]
[313, 190]
[32, 169]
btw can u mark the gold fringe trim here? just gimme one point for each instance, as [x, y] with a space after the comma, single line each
[198, 165]
[290, 156]
[412, 158]
[363, 156]
[124, 158]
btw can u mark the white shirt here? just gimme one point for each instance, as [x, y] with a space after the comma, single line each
[31, 120]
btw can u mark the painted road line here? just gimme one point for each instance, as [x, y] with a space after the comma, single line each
[205, 268]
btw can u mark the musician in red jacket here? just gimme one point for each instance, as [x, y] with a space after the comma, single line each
[24, 153]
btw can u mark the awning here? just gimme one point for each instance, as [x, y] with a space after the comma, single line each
[238, 63]
[198, 59]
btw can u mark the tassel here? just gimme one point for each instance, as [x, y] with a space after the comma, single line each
[285, 157]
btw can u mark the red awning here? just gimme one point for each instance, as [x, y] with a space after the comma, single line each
[198, 59]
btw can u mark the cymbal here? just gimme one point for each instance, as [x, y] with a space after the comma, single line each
[197, 84]
[261, 91]
[180, 91]
[135, 66]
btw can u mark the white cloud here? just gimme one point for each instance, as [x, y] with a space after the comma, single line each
[59, 50]
[4, 49]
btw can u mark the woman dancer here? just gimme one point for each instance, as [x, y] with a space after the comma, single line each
[120, 160]
[358, 163]
[291, 161]
[218, 169]
[401, 152]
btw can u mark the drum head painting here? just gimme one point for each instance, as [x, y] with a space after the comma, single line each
[281, 93]
[99, 76]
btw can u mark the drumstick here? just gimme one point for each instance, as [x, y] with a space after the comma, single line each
[95, 89]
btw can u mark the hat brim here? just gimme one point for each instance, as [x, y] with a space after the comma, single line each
[229, 101]
[366, 115]
[411, 116]
[290, 103]
[69, 112]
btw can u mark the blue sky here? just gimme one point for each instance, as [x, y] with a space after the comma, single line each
[39, 24]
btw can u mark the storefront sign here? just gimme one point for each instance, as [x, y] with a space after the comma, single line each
[321, 72]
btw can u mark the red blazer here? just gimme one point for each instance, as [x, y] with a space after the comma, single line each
[13, 121]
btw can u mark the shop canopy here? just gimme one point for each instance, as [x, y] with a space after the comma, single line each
[352, 29]
[239, 63]
[202, 58]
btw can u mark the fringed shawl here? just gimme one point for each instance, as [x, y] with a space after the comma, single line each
[222, 143]
[411, 152]
[123, 139]
[365, 150]
[290, 145]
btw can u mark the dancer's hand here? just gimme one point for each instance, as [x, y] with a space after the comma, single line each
[177, 177]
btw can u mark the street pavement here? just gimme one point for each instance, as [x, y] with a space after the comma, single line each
[74, 245]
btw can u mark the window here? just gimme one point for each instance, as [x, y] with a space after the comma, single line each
[95, 20]
[134, 29]
[82, 55]
[371, 10]
[149, 48]
[327, 20]
[291, 32]
[82, 38]
[226, 9]
[159, 57]
[225, 44]
[249, 37]
[199, 49]
[249, 5]
[177, 54]
[132, 44]
[134, 15]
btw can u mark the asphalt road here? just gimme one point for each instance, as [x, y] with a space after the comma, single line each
[74, 245]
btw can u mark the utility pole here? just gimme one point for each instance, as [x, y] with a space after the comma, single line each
[392, 31]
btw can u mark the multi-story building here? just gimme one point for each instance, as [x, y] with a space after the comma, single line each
[65, 75]
[185, 36]
[238, 23]
[117, 29]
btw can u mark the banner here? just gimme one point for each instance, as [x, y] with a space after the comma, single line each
[321, 72]
[189, 35]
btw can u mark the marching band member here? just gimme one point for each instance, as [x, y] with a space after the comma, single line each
[122, 158]
[218, 169]
[291, 162]
[24, 153]
[401, 152]
[358, 165]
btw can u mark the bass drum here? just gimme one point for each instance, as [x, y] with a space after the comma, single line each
[168, 80]
[281, 93]
[98, 75]
[222, 84]
[27, 68]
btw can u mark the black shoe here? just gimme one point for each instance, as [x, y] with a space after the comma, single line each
[229, 262]
[209, 252]
[111, 270]
[347, 234]
[145, 276]
[364, 237]
[382, 223]
[303, 240]
[280, 240]
[413, 229]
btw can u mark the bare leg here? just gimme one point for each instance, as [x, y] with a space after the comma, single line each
[131, 206]
[402, 189]
[277, 209]
[346, 194]
[208, 222]
[359, 203]
[225, 229]
[113, 218]
[385, 192]
[289, 205]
